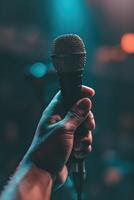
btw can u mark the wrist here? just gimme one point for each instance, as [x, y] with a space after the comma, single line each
[44, 176]
[41, 173]
[36, 183]
[61, 178]
[58, 178]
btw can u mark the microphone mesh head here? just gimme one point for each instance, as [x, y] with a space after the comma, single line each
[68, 53]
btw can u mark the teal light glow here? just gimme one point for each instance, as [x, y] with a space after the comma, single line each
[68, 15]
[38, 70]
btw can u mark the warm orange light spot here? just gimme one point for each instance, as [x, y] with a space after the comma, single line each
[127, 42]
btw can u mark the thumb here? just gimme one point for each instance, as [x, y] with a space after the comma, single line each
[77, 114]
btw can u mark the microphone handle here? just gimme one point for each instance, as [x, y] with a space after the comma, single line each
[70, 85]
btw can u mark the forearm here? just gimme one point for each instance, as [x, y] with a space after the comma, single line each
[29, 182]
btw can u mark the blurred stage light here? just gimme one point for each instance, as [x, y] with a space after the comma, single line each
[106, 54]
[127, 42]
[38, 70]
[69, 15]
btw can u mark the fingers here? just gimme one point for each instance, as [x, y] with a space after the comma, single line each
[90, 121]
[83, 153]
[77, 114]
[87, 91]
[83, 147]
[55, 105]
[83, 143]
[87, 140]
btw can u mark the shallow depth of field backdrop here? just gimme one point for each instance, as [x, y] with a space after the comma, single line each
[28, 82]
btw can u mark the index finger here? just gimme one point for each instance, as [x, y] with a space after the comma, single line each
[87, 91]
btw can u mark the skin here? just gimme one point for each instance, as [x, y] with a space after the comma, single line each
[55, 142]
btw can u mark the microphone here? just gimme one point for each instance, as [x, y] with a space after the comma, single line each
[69, 57]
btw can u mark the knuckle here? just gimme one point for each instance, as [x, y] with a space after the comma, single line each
[88, 140]
[67, 127]
[90, 148]
[91, 115]
[92, 124]
[77, 116]
[90, 104]
[91, 121]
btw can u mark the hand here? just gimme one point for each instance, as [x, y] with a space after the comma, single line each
[54, 138]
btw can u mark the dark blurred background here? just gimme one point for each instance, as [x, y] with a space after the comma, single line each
[28, 82]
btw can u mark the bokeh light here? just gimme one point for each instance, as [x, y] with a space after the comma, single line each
[38, 69]
[127, 42]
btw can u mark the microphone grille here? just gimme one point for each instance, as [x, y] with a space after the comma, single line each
[68, 53]
[68, 44]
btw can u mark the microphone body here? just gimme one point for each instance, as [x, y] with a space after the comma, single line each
[70, 86]
[68, 55]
